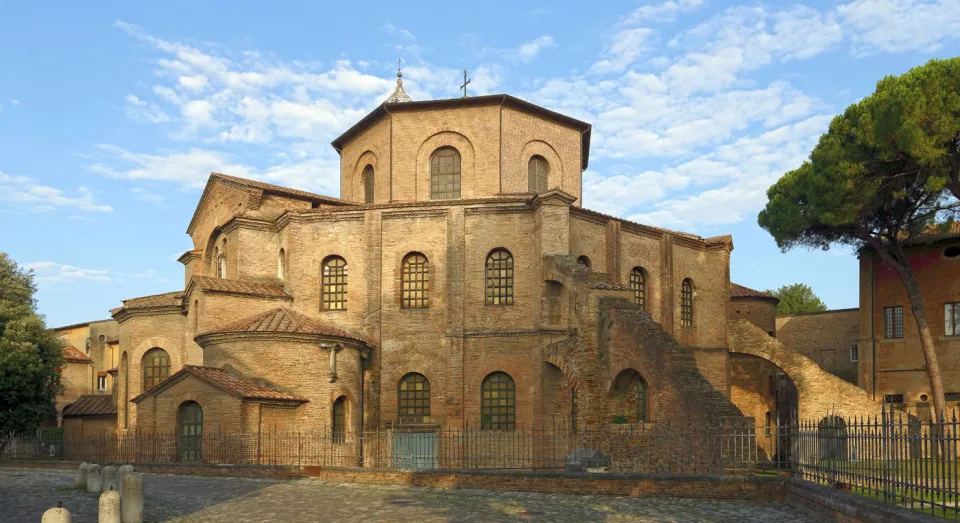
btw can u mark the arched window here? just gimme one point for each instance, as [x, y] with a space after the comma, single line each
[498, 402]
[641, 392]
[445, 174]
[638, 284]
[368, 184]
[499, 278]
[156, 367]
[216, 262]
[686, 303]
[413, 398]
[334, 284]
[125, 369]
[537, 174]
[415, 282]
[584, 260]
[339, 419]
[191, 431]
[282, 266]
[196, 317]
[628, 397]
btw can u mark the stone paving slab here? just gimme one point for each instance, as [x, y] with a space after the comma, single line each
[26, 493]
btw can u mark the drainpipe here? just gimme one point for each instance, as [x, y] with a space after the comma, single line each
[873, 321]
[362, 394]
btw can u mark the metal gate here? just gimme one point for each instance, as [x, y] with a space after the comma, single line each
[414, 450]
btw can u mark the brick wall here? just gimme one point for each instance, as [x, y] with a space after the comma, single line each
[761, 312]
[824, 337]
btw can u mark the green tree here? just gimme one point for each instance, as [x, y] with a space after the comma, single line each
[797, 298]
[30, 356]
[880, 175]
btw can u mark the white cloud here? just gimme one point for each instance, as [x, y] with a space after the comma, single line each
[528, 51]
[14, 101]
[53, 272]
[625, 47]
[665, 12]
[42, 198]
[189, 169]
[146, 112]
[897, 26]
[145, 275]
[391, 29]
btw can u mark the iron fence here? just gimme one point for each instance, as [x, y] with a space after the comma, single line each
[893, 458]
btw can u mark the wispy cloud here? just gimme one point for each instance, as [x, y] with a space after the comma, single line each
[898, 26]
[528, 51]
[53, 272]
[21, 190]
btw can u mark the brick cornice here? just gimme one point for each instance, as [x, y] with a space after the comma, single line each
[214, 338]
[124, 314]
[242, 222]
[517, 332]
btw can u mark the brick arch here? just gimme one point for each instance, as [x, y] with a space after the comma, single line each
[649, 395]
[554, 163]
[356, 183]
[429, 366]
[135, 364]
[207, 263]
[553, 357]
[819, 392]
[514, 369]
[446, 138]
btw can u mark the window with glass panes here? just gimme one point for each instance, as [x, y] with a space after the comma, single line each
[415, 282]
[638, 285]
[368, 185]
[334, 284]
[191, 432]
[445, 174]
[951, 319]
[854, 353]
[893, 322]
[413, 398]
[339, 419]
[498, 402]
[156, 367]
[499, 278]
[686, 303]
[537, 174]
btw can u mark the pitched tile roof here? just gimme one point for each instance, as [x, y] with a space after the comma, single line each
[71, 354]
[277, 189]
[739, 291]
[210, 284]
[225, 382]
[283, 320]
[935, 235]
[92, 405]
[167, 299]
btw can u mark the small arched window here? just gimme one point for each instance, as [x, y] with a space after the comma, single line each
[584, 260]
[368, 184]
[415, 282]
[413, 399]
[537, 174]
[641, 392]
[334, 284]
[191, 432]
[156, 367]
[282, 265]
[638, 284]
[445, 174]
[339, 419]
[125, 369]
[216, 262]
[196, 316]
[686, 303]
[498, 402]
[499, 278]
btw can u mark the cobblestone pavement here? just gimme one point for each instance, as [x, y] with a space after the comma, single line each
[26, 493]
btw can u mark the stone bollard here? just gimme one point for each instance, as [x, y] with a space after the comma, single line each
[94, 479]
[56, 515]
[122, 471]
[132, 505]
[109, 507]
[80, 483]
[110, 478]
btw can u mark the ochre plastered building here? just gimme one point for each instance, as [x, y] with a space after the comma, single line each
[91, 353]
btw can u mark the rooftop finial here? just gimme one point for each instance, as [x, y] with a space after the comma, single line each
[398, 94]
[465, 82]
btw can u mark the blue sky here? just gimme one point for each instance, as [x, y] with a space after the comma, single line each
[112, 115]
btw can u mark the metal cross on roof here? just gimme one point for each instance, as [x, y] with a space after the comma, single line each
[399, 61]
[465, 82]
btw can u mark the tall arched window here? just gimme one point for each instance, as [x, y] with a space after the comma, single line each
[282, 266]
[196, 317]
[191, 431]
[415, 282]
[216, 262]
[584, 260]
[125, 369]
[498, 402]
[686, 303]
[368, 184]
[339, 419]
[156, 367]
[499, 278]
[537, 174]
[638, 284]
[334, 284]
[445, 174]
[641, 392]
[628, 397]
[413, 399]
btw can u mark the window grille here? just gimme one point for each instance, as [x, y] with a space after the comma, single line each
[498, 407]
[537, 174]
[156, 368]
[415, 282]
[334, 283]
[638, 284]
[413, 398]
[445, 174]
[686, 303]
[893, 322]
[499, 278]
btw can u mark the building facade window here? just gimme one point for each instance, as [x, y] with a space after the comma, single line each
[686, 303]
[415, 282]
[156, 367]
[339, 420]
[333, 284]
[537, 174]
[951, 319]
[445, 174]
[951, 396]
[638, 284]
[498, 402]
[585, 261]
[368, 184]
[893, 398]
[413, 399]
[499, 278]
[641, 393]
[282, 266]
[191, 432]
[102, 383]
[893, 322]
[854, 353]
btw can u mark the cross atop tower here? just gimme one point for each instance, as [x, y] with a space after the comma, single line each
[465, 82]
[399, 61]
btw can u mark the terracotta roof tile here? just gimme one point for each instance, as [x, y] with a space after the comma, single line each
[607, 286]
[739, 291]
[92, 405]
[208, 283]
[167, 299]
[225, 382]
[283, 320]
[936, 235]
[70, 353]
[278, 189]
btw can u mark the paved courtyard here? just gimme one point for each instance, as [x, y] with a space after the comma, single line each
[26, 493]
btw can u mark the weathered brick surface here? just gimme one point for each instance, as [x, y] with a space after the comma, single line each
[824, 337]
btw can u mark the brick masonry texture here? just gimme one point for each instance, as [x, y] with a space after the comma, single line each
[824, 337]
